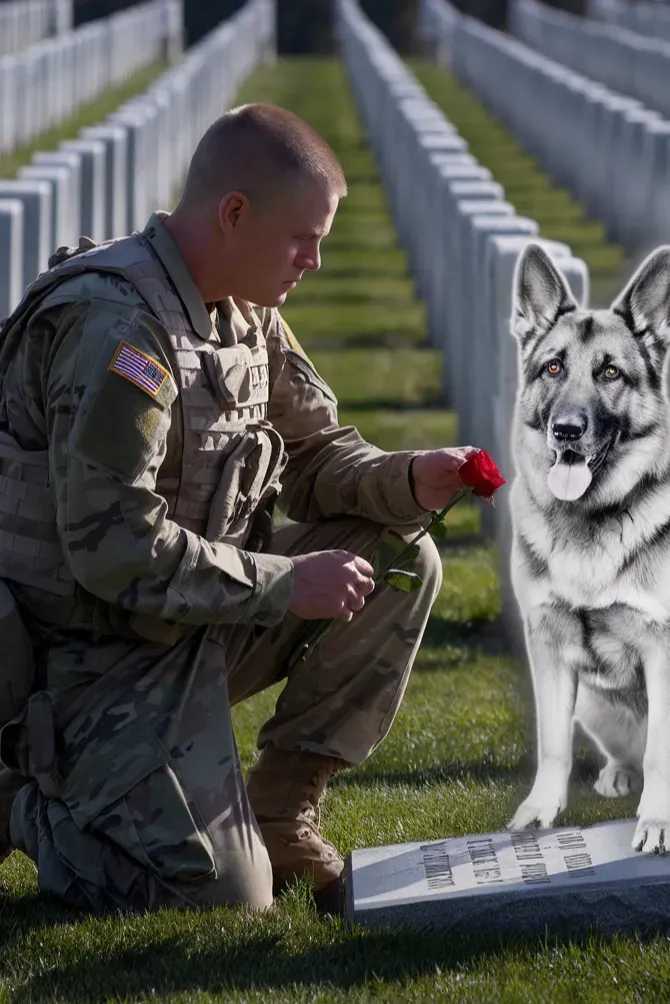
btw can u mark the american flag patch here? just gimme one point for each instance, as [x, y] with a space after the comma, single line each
[139, 368]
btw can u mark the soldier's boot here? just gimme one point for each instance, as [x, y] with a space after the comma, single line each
[285, 789]
[10, 786]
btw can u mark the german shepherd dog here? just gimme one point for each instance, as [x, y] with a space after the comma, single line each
[590, 509]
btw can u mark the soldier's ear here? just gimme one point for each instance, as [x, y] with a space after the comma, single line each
[645, 302]
[540, 294]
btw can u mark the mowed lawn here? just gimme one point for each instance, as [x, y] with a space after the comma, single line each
[456, 760]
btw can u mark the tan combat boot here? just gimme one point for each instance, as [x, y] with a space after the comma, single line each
[10, 786]
[284, 790]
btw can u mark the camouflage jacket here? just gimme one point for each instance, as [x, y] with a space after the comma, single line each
[140, 435]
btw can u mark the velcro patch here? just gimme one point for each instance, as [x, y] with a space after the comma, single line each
[139, 368]
[292, 340]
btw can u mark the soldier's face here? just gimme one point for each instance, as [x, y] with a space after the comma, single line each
[276, 243]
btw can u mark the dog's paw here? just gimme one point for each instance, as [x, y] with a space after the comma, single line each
[536, 814]
[651, 836]
[616, 781]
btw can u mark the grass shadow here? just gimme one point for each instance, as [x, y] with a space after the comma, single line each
[367, 340]
[439, 773]
[430, 402]
[481, 636]
[585, 769]
[262, 961]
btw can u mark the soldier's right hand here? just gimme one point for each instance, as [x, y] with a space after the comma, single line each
[330, 584]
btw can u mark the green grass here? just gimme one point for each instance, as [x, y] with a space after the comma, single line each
[88, 115]
[455, 761]
[531, 192]
[356, 324]
[377, 378]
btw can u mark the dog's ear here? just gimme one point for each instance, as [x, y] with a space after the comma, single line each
[541, 294]
[645, 302]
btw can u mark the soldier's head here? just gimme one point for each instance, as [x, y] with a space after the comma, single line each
[260, 195]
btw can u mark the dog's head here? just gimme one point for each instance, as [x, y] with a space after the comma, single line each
[592, 405]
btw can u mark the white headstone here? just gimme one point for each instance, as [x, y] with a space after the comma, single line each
[61, 210]
[93, 184]
[527, 881]
[115, 138]
[11, 255]
[9, 73]
[73, 162]
[36, 199]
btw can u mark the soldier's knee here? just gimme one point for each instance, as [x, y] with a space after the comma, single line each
[246, 881]
[428, 564]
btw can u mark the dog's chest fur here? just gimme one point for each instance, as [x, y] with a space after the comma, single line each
[610, 576]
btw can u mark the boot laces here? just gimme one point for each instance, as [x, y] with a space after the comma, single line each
[313, 813]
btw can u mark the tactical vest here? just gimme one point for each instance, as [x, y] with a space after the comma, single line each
[232, 457]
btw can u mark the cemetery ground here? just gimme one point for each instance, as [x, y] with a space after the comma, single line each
[459, 756]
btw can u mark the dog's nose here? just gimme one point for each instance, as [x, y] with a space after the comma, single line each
[567, 428]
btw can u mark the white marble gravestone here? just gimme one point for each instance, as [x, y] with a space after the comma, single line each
[568, 878]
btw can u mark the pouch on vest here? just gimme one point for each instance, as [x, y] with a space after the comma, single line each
[64, 252]
[250, 475]
[17, 667]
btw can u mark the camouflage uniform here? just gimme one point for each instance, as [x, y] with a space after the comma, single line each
[143, 440]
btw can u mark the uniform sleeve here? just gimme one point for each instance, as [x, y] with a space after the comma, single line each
[109, 395]
[332, 470]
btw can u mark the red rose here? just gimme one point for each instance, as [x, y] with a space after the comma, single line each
[480, 474]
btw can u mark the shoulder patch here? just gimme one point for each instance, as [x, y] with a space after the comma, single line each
[139, 368]
[292, 340]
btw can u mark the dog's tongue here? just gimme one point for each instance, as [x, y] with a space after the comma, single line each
[569, 481]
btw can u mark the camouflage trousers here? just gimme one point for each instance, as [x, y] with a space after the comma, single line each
[141, 802]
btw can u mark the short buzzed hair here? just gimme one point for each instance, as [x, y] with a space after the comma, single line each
[256, 147]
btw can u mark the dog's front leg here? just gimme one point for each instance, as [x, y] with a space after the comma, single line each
[652, 833]
[554, 676]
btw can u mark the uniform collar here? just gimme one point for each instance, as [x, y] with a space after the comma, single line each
[238, 317]
[174, 265]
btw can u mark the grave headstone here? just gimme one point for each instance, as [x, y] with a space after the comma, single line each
[36, 199]
[61, 210]
[92, 199]
[564, 880]
[72, 161]
[115, 139]
[11, 259]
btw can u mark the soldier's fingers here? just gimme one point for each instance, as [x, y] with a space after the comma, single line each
[362, 579]
[355, 600]
[345, 613]
[363, 566]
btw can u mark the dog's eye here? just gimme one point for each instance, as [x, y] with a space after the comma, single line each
[554, 367]
[611, 373]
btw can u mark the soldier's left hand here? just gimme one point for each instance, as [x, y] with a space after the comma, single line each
[435, 474]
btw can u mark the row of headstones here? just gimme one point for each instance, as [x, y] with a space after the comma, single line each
[651, 19]
[107, 181]
[47, 83]
[436, 22]
[23, 22]
[610, 151]
[629, 63]
[462, 238]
